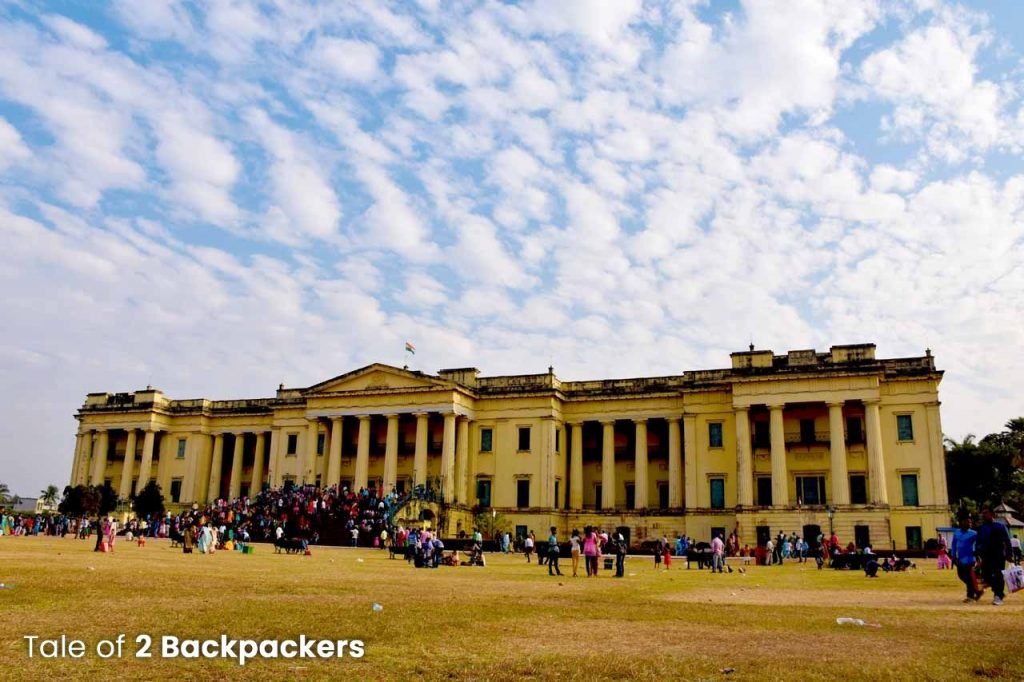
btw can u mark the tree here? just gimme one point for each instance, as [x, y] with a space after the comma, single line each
[987, 471]
[80, 500]
[49, 495]
[149, 502]
[490, 523]
[5, 494]
[108, 499]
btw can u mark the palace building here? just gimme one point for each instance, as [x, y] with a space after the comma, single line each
[794, 442]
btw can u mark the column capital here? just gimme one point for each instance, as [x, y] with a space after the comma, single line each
[640, 420]
[607, 422]
[776, 406]
[393, 417]
[421, 415]
[574, 422]
[673, 418]
[741, 408]
[335, 420]
[364, 417]
[872, 401]
[835, 403]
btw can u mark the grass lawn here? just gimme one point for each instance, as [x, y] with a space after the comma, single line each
[506, 621]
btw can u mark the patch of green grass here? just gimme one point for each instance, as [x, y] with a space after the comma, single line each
[509, 620]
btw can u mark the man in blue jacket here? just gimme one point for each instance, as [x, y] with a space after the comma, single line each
[993, 550]
[963, 555]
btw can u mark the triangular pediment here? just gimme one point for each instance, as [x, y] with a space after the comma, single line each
[377, 377]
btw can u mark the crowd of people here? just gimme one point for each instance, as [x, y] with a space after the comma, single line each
[295, 517]
[36, 524]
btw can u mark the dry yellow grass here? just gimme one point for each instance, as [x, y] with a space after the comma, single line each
[507, 621]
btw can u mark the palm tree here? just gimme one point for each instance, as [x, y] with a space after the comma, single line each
[5, 494]
[49, 495]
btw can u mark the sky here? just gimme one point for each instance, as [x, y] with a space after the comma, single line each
[216, 197]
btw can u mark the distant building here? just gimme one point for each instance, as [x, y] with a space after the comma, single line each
[33, 505]
[771, 443]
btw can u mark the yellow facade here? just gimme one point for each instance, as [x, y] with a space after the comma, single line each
[767, 445]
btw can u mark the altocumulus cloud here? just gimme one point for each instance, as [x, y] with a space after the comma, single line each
[217, 197]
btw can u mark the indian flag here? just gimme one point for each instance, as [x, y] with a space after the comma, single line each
[409, 348]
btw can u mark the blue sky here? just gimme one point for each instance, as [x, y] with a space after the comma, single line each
[217, 197]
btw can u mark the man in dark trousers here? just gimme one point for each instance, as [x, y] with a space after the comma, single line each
[963, 551]
[621, 549]
[993, 551]
[552, 553]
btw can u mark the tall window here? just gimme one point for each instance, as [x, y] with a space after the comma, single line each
[598, 494]
[558, 439]
[523, 493]
[909, 482]
[483, 491]
[524, 438]
[764, 491]
[904, 427]
[293, 444]
[630, 496]
[715, 435]
[913, 537]
[862, 536]
[717, 493]
[557, 490]
[854, 430]
[806, 431]
[663, 495]
[321, 439]
[486, 440]
[762, 435]
[858, 489]
[175, 490]
[181, 448]
[811, 489]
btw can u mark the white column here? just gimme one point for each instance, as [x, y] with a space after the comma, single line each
[125, 489]
[256, 484]
[274, 459]
[448, 459]
[334, 465]
[307, 467]
[690, 460]
[391, 454]
[876, 456]
[675, 465]
[419, 461]
[780, 477]
[608, 465]
[837, 448]
[216, 464]
[146, 465]
[576, 467]
[640, 464]
[188, 483]
[744, 464]
[461, 459]
[76, 464]
[235, 488]
[363, 454]
[99, 465]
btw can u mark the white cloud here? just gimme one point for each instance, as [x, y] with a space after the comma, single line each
[204, 186]
[12, 147]
[349, 59]
[301, 193]
[930, 77]
[74, 33]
